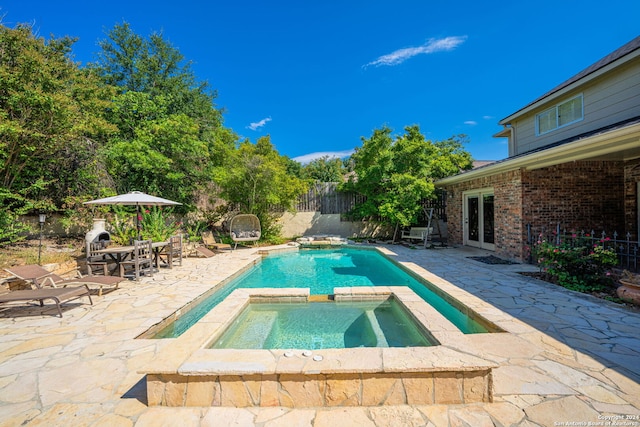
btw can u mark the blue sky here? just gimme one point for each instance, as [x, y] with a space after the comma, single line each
[317, 75]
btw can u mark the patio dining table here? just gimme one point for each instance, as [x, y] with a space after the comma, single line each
[120, 254]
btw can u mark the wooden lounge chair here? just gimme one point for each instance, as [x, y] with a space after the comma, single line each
[213, 242]
[57, 295]
[40, 277]
[203, 251]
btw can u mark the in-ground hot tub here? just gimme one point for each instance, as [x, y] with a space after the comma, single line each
[318, 325]
[189, 373]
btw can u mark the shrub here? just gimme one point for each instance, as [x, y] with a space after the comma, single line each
[194, 228]
[12, 230]
[155, 225]
[122, 228]
[577, 264]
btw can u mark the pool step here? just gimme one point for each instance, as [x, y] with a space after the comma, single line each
[377, 330]
[321, 298]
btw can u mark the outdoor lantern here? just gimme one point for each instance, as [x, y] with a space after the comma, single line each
[41, 219]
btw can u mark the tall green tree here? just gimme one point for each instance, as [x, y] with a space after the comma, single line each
[154, 151]
[51, 118]
[153, 66]
[256, 179]
[170, 137]
[395, 175]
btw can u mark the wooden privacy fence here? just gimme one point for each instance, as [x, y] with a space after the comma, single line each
[325, 198]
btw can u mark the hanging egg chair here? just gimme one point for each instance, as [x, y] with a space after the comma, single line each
[244, 228]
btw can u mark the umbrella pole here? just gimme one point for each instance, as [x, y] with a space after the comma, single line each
[138, 219]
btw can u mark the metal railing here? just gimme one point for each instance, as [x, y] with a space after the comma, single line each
[626, 247]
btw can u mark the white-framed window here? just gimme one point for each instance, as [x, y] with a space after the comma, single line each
[560, 115]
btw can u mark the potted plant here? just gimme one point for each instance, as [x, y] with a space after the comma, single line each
[630, 289]
[630, 279]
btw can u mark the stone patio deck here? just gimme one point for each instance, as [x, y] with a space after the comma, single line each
[577, 358]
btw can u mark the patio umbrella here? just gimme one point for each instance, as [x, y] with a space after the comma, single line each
[134, 198]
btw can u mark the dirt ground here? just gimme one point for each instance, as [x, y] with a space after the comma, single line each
[54, 251]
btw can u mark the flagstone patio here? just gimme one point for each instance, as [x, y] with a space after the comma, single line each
[577, 358]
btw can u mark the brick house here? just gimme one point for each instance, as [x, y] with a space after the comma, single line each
[574, 160]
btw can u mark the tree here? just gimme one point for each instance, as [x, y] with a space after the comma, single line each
[51, 119]
[170, 136]
[255, 180]
[324, 169]
[153, 66]
[155, 151]
[396, 175]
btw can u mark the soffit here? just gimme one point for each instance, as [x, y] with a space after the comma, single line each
[617, 145]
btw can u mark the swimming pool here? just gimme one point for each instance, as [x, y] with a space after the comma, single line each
[304, 326]
[322, 270]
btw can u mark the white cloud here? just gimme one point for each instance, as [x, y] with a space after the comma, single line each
[431, 46]
[488, 117]
[471, 122]
[258, 125]
[306, 158]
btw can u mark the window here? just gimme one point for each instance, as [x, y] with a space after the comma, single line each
[561, 115]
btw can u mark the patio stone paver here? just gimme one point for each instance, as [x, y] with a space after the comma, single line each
[578, 358]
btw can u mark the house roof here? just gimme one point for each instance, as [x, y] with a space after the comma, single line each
[481, 163]
[614, 56]
[616, 142]
[620, 141]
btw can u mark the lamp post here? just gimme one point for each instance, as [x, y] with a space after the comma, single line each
[41, 220]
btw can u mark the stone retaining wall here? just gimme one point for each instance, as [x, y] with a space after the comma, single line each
[321, 390]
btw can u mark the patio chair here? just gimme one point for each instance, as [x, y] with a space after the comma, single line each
[172, 253]
[39, 277]
[141, 262]
[57, 295]
[97, 263]
[213, 242]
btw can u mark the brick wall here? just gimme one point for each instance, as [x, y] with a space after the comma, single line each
[578, 195]
[507, 211]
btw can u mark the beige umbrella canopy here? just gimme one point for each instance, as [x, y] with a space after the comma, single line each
[134, 198]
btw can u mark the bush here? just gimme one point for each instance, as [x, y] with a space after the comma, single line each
[155, 225]
[577, 264]
[194, 228]
[12, 230]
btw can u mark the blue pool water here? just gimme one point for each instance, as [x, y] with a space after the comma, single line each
[304, 326]
[322, 270]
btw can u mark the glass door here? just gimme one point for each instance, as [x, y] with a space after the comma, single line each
[479, 230]
[488, 232]
[472, 220]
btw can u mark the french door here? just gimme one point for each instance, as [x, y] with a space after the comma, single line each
[478, 219]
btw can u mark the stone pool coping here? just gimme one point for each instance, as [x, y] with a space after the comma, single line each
[187, 373]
